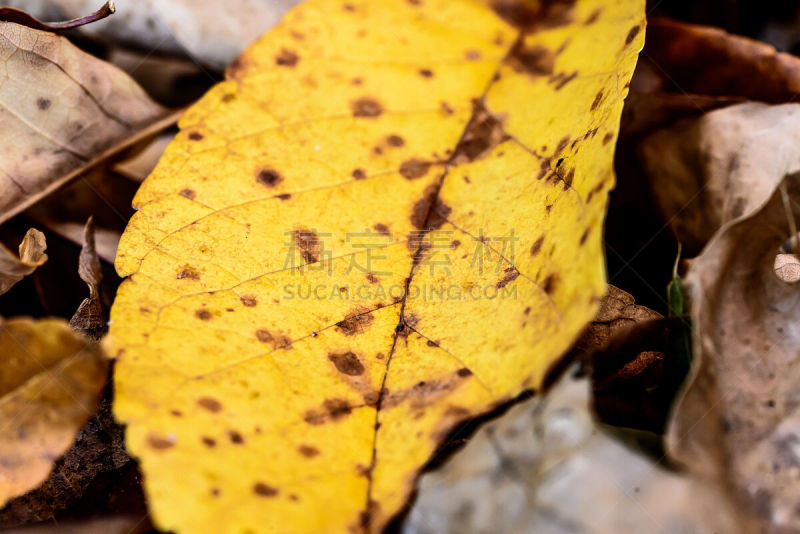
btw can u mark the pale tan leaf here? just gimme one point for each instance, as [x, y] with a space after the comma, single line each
[31, 255]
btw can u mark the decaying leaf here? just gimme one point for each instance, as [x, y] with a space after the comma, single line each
[49, 388]
[739, 420]
[213, 33]
[88, 318]
[546, 467]
[708, 171]
[31, 255]
[275, 364]
[59, 109]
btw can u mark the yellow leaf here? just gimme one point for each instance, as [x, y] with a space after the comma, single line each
[49, 387]
[278, 371]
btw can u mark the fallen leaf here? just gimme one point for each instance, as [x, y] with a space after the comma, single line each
[96, 470]
[49, 388]
[547, 467]
[59, 109]
[31, 255]
[89, 318]
[738, 421]
[203, 29]
[315, 412]
[708, 171]
[703, 60]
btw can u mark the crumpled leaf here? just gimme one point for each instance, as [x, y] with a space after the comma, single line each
[49, 388]
[545, 468]
[708, 171]
[31, 255]
[213, 33]
[89, 318]
[738, 421]
[60, 108]
[308, 414]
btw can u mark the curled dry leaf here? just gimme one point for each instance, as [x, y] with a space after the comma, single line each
[31, 255]
[708, 171]
[315, 413]
[49, 388]
[89, 318]
[546, 467]
[10, 14]
[739, 420]
[60, 109]
[207, 30]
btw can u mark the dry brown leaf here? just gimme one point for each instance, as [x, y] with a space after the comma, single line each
[702, 60]
[212, 32]
[739, 421]
[49, 387]
[89, 318]
[707, 171]
[546, 468]
[60, 108]
[31, 255]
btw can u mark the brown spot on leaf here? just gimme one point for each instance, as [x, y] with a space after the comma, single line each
[395, 141]
[530, 16]
[594, 16]
[235, 437]
[537, 245]
[535, 60]
[510, 275]
[188, 272]
[359, 174]
[381, 228]
[472, 55]
[196, 136]
[249, 300]
[366, 107]
[287, 58]
[483, 133]
[347, 363]
[269, 177]
[464, 372]
[447, 108]
[561, 79]
[158, 442]
[209, 442]
[549, 284]
[355, 324]
[203, 315]
[414, 168]
[432, 343]
[309, 245]
[263, 490]
[284, 196]
[584, 236]
[371, 278]
[607, 138]
[597, 99]
[210, 404]
[308, 451]
[426, 73]
[426, 215]
[187, 193]
[43, 104]
[632, 34]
